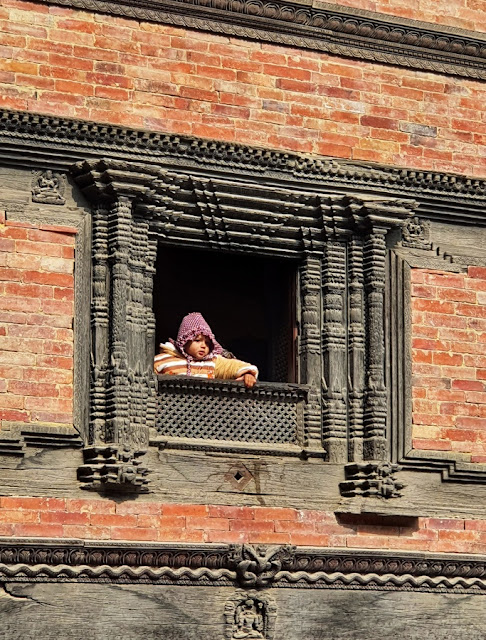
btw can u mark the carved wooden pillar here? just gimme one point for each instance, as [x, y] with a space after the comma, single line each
[149, 347]
[375, 410]
[334, 383]
[368, 444]
[123, 386]
[99, 324]
[118, 432]
[372, 220]
[310, 348]
[356, 348]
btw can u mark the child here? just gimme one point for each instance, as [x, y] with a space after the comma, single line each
[196, 352]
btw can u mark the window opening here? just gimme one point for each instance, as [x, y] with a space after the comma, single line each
[249, 302]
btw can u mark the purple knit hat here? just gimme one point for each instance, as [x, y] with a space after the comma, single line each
[191, 326]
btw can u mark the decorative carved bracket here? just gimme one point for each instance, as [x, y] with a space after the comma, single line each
[371, 480]
[111, 467]
[258, 566]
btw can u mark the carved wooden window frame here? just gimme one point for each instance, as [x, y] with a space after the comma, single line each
[340, 242]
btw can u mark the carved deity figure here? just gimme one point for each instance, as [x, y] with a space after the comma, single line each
[48, 188]
[415, 234]
[249, 620]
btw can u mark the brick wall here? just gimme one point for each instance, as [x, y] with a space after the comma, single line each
[465, 14]
[36, 317]
[148, 521]
[68, 62]
[449, 361]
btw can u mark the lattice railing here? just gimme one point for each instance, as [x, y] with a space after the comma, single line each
[225, 410]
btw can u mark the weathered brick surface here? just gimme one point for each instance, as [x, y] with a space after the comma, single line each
[466, 14]
[36, 316]
[108, 520]
[67, 62]
[449, 361]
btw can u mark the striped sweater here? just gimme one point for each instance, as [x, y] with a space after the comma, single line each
[170, 361]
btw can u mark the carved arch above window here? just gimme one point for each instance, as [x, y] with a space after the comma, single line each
[340, 403]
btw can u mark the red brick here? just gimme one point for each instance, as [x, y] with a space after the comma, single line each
[229, 537]
[22, 516]
[379, 123]
[133, 533]
[63, 517]
[233, 513]
[468, 385]
[185, 510]
[310, 539]
[251, 525]
[269, 538]
[448, 359]
[90, 506]
[112, 520]
[293, 526]
[194, 522]
[38, 530]
[274, 513]
[444, 523]
[56, 504]
[477, 272]
[433, 306]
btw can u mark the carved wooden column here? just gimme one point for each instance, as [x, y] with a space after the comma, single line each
[310, 348]
[375, 410]
[368, 443]
[99, 324]
[122, 391]
[334, 382]
[356, 348]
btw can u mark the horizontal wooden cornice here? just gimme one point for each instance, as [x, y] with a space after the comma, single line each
[318, 26]
[24, 560]
[45, 141]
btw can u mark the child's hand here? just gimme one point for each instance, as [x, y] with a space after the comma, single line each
[249, 380]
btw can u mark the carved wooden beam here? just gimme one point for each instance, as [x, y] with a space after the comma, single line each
[219, 564]
[332, 28]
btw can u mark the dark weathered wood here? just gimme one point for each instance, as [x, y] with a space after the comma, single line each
[53, 611]
[194, 477]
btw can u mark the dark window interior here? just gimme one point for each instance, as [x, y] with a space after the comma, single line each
[249, 302]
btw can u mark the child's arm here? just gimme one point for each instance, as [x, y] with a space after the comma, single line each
[249, 379]
[233, 369]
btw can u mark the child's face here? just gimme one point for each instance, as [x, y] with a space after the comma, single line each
[199, 347]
